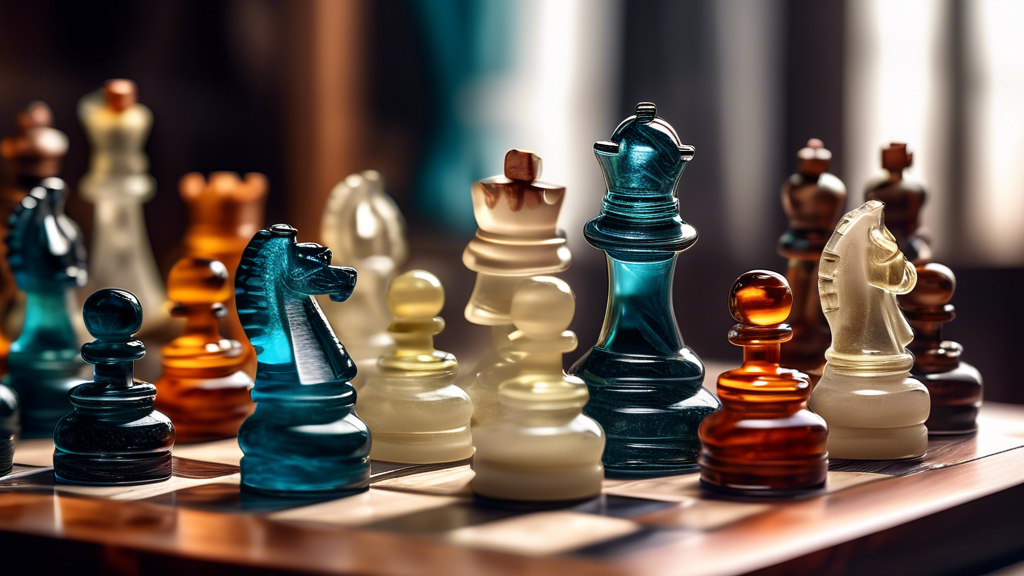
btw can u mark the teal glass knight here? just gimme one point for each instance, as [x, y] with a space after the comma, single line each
[114, 436]
[47, 257]
[645, 384]
[303, 438]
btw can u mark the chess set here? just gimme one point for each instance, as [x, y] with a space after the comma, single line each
[300, 418]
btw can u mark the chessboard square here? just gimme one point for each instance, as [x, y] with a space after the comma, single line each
[544, 533]
[34, 452]
[220, 451]
[365, 508]
[452, 481]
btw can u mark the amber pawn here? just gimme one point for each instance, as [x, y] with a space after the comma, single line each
[204, 387]
[954, 386]
[764, 441]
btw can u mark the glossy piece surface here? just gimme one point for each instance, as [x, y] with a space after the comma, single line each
[303, 438]
[645, 384]
[517, 215]
[414, 410]
[114, 436]
[30, 155]
[813, 200]
[764, 441]
[364, 228]
[541, 448]
[954, 386]
[203, 388]
[874, 409]
[223, 214]
[903, 196]
[118, 184]
[47, 257]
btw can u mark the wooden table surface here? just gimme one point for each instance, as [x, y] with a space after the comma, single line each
[961, 509]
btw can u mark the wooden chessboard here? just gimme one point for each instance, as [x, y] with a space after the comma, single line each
[945, 510]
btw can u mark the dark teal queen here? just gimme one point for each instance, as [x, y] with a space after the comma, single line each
[303, 439]
[645, 384]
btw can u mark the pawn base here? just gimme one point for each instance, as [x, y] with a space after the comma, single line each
[6, 453]
[778, 479]
[111, 470]
[550, 484]
[315, 478]
[430, 448]
[747, 493]
[847, 443]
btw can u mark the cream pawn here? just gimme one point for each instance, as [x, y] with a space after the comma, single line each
[414, 411]
[541, 447]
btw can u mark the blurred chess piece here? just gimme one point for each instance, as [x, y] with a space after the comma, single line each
[364, 229]
[764, 441]
[955, 387]
[415, 412]
[118, 184]
[224, 212]
[874, 409]
[114, 436]
[541, 448]
[517, 216]
[32, 154]
[204, 388]
[47, 257]
[813, 200]
[903, 196]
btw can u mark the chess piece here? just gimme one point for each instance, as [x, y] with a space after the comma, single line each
[204, 388]
[954, 386]
[874, 409]
[364, 228]
[517, 238]
[303, 439]
[224, 213]
[114, 436]
[813, 200]
[414, 411]
[541, 448]
[31, 155]
[118, 184]
[47, 257]
[903, 197]
[764, 441]
[645, 383]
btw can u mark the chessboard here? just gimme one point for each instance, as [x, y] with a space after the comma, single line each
[938, 513]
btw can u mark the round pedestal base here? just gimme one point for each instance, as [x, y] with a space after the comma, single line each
[877, 443]
[110, 469]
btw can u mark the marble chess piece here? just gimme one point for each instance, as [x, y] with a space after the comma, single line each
[224, 212]
[114, 436]
[364, 228]
[415, 412]
[541, 448]
[874, 409]
[118, 184]
[645, 383]
[517, 238]
[304, 438]
[204, 387]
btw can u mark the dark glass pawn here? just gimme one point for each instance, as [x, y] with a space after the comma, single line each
[764, 441]
[114, 436]
[903, 196]
[953, 386]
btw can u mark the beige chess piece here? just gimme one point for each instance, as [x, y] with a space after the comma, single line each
[874, 409]
[415, 412]
[364, 229]
[118, 184]
[541, 448]
[517, 216]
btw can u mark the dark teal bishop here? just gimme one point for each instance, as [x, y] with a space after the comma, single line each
[304, 438]
[47, 257]
[645, 384]
[114, 436]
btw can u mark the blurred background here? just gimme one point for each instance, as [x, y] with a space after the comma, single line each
[432, 94]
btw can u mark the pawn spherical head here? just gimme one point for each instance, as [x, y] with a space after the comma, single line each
[760, 298]
[198, 281]
[415, 295]
[112, 314]
[543, 306]
[935, 286]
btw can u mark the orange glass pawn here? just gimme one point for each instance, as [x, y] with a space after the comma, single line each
[204, 387]
[764, 441]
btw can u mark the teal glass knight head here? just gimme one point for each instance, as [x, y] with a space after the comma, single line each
[45, 249]
[642, 164]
